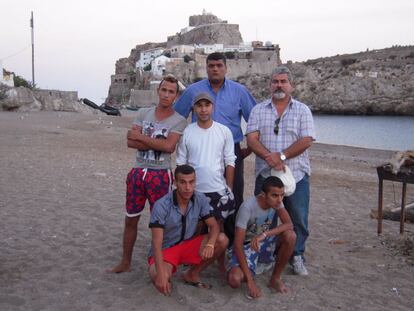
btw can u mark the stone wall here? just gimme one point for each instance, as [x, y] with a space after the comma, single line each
[143, 98]
[25, 99]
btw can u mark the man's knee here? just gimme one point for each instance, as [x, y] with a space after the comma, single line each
[234, 278]
[222, 241]
[289, 237]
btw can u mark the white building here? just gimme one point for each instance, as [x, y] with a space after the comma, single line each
[158, 65]
[147, 56]
[181, 50]
[238, 48]
[210, 48]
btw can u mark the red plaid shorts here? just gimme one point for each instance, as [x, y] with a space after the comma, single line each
[146, 184]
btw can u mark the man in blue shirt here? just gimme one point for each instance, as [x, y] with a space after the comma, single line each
[232, 102]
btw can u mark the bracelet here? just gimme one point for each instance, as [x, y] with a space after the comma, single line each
[264, 234]
[210, 245]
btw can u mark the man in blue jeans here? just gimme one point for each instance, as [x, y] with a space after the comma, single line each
[279, 132]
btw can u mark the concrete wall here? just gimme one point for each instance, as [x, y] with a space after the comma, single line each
[143, 98]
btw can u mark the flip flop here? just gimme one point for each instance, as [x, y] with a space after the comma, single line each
[198, 284]
[247, 295]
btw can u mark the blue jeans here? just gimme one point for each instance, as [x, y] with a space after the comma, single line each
[297, 206]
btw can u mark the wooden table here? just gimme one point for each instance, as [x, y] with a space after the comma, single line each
[405, 177]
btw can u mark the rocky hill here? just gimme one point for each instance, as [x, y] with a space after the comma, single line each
[378, 82]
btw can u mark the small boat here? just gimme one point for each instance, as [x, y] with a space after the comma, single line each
[132, 108]
[104, 108]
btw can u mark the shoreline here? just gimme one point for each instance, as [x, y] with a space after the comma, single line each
[63, 189]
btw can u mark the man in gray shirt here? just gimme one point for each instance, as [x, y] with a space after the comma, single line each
[255, 238]
[154, 135]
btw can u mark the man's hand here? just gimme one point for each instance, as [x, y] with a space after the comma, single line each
[207, 252]
[254, 290]
[255, 242]
[273, 160]
[163, 284]
[134, 134]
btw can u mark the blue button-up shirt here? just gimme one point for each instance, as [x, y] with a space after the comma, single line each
[231, 102]
[167, 215]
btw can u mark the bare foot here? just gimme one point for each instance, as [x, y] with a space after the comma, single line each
[122, 267]
[279, 286]
[187, 276]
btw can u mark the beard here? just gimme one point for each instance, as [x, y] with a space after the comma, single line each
[279, 94]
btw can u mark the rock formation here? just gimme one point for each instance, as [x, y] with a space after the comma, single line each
[378, 82]
[25, 99]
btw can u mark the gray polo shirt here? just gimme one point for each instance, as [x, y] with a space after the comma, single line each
[177, 227]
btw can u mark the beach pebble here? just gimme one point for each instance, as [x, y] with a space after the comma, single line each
[97, 174]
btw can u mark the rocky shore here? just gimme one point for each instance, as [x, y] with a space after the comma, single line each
[62, 188]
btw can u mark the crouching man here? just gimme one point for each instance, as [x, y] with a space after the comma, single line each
[173, 224]
[256, 235]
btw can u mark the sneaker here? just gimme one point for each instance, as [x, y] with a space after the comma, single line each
[299, 266]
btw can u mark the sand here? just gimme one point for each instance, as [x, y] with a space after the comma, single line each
[62, 189]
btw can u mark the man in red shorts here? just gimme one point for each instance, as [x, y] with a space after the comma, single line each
[154, 134]
[173, 225]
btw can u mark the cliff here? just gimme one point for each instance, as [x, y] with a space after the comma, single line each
[228, 34]
[378, 82]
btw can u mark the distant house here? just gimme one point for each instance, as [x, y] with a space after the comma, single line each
[181, 50]
[158, 65]
[210, 48]
[147, 56]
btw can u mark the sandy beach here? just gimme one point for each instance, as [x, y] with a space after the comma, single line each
[62, 192]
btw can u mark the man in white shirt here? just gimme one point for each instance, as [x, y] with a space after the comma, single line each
[208, 147]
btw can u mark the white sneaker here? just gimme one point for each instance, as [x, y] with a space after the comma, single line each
[299, 266]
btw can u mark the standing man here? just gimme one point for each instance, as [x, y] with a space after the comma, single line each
[173, 225]
[155, 133]
[208, 147]
[279, 132]
[232, 101]
[256, 233]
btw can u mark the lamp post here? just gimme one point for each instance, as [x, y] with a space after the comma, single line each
[32, 28]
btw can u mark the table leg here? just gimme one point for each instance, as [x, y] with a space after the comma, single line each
[380, 182]
[402, 216]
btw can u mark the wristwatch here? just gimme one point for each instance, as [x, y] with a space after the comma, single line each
[282, 156]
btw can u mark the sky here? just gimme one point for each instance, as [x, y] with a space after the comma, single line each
[77, 42]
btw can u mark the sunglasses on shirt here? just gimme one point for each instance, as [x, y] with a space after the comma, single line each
[276, 128]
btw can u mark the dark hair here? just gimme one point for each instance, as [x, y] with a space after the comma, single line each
[170, 78]
[216, 56]
[183, 169]
[271, 181]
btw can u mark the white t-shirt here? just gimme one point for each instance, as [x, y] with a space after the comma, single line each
[209, 151]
